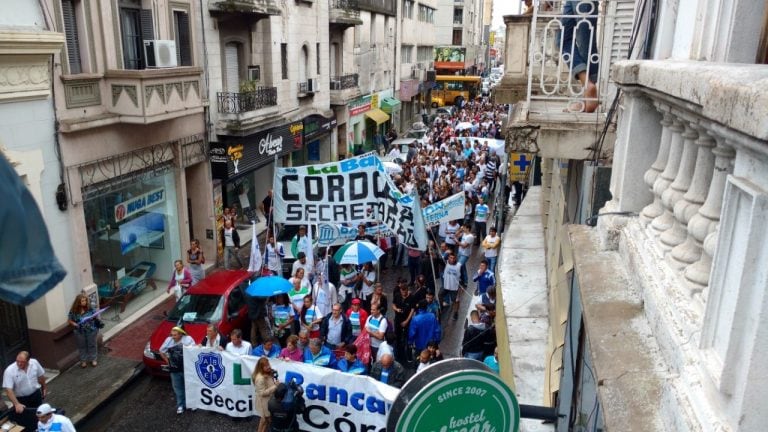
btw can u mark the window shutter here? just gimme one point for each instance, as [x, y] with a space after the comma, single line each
[183, 48]
[70, 32]
[147, 29]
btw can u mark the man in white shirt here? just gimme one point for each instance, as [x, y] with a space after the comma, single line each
[237, 345]
[301, 262]
[376, 326]
[451, 278]
[24, 384]
[274, 255]
[491, 245]
[466, 241]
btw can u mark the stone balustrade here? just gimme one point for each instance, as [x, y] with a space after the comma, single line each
[691, 161]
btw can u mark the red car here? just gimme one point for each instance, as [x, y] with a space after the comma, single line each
[218, 299]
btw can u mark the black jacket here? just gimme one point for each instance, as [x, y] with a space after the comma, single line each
[346, 329]
[396, 374]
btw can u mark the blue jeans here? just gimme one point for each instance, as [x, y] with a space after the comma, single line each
[492, 263]
[474, 356]
[177, 382]
[579, 38]
[463, 262]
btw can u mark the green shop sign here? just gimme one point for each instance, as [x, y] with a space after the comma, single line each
[457, 395]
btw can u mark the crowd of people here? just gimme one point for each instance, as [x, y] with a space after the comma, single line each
[341, 317]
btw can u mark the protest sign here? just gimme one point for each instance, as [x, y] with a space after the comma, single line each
[350, 191]
[220, 381]
[451, 208]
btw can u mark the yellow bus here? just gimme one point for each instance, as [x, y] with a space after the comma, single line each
[449, 89]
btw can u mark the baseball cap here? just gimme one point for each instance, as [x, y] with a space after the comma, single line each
[356, 301]
[45, 409]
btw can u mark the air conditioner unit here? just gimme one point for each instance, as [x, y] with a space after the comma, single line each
[312, 85]
[160, 53]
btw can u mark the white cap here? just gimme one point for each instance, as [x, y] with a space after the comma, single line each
[45, 409]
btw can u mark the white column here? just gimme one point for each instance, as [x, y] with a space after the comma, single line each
[681, 150]
[663, 183]
[686, 208]
[703, 223]
[655, 209]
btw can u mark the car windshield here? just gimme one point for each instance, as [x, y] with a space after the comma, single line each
[198, 308]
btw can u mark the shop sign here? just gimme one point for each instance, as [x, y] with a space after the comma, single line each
[142, 202]
[243, 154]
[360, 106]
[374, 100]
[460, 395]
[316, 125]
[408, 89]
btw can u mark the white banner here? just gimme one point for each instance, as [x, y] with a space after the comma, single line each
[337, 234]
[336, 401]
[350, 191]
[494, 145]
[451, 208]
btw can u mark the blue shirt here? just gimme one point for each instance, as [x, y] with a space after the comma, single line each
[484, 281]
[325, 358]
[273, 353]
[356, 367]
[423, 329]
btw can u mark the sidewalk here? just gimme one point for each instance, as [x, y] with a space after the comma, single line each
[81, 391]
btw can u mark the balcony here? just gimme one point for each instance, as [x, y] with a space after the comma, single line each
[344, 13]
[557, 116]
[308, 88]
[258, 8]
[344, 88]
[689, 180]
[243, 111]
[386, 7]
[153, 95]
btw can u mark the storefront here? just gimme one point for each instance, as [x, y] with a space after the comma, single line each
[410, 111]
[367, 123]
[392, 107]
[133, 234]
[318, 138]
[243, 167]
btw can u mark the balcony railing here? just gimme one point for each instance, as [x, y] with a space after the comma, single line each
[574, 38]
[348, 5]
[344, 81]
[236, 103]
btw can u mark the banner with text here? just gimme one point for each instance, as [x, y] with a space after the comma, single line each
[350, 191]
[451, 208]
[220, 381]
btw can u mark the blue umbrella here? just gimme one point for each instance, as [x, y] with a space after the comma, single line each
[358, 252]
[268, 286]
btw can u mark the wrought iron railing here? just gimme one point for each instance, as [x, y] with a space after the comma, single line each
[235, 103]
[344, 81]
[565, 36]
[350, 5]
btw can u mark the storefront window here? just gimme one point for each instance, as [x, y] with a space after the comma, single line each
[133, 237]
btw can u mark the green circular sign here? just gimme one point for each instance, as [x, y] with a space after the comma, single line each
[467, 400]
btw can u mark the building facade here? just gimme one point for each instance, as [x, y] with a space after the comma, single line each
[28, 44]
[416, 27]
[656, 306]
[460, 25]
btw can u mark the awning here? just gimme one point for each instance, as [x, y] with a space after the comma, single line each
[390, 104]
[377, 115]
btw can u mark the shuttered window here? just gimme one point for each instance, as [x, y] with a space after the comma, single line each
[70, 31]
[284, 60]
[183, 46]
[232, 66]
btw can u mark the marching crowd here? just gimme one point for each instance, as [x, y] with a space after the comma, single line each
[339, 316]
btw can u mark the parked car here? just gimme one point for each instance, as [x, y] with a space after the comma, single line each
[446, 110]
[218, 299]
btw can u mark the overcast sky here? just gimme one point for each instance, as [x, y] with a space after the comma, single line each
[501, 8]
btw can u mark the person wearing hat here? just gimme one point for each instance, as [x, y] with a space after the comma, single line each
[48, 420]
[172, 352]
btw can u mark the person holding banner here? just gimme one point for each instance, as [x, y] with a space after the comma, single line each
[319, 355]
[388, 371]
[172, 353]
[292, 352]
[268, 349]
[350, 363]
[264, 384]
[87, 324]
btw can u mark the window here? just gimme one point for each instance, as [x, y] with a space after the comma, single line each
[458, 15]
[407, 9]
[181, 30]
[405, 54]
[372, 38]
[317, 57]
[72, 38]
[456, 37]
[425, 54]
[232, 66]
[426, 14]
[136, 26]
[284, 60]
[304, 64]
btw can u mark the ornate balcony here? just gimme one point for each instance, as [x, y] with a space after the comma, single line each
[240, 113]
[152, 95]
[689, 170]
[344, 13]
[557, 114]
[236, 103]
[344, 88]
[257, 8]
